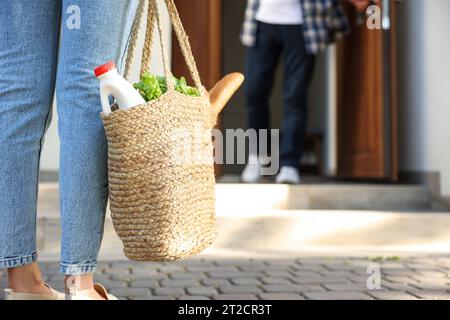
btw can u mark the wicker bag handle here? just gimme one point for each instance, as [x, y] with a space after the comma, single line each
[154, 14]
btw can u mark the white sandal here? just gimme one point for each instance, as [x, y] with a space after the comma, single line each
[76, 294]
[56, 295]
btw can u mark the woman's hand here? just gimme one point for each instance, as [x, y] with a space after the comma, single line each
[361, 5]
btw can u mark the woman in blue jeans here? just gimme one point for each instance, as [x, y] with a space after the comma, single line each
[48, 47]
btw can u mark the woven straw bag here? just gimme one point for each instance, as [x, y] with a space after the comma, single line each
[162, 201]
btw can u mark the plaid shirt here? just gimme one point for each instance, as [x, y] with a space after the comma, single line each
[323, 21]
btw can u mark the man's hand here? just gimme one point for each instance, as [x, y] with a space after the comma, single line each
[361, 5]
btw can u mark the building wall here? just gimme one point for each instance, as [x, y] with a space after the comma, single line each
[50, 152]
[424, 89]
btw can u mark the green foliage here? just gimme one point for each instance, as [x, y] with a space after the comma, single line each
[380, 258]
[152, 87]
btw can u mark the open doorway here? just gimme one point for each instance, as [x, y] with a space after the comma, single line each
[363, 108]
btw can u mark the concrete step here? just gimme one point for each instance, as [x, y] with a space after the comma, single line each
[326, 196]
[265, 219]
[323, 197]
[291, 231]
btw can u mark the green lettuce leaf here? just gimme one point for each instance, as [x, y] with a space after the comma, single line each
[152, 87]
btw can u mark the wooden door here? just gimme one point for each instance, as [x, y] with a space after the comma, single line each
[202, 21]
[366, 98]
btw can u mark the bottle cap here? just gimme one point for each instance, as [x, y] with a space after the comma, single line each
[110, 65]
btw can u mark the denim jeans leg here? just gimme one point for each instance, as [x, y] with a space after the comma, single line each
[298, 70]
[28, 53]
[101, 36]
[260, 66]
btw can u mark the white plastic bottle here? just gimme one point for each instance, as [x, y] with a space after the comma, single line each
[113, 84]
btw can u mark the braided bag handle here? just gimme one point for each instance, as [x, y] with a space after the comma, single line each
[131, 52]
[152, 15]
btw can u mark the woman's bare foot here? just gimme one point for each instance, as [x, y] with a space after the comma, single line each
[27, 279]
[82, 284]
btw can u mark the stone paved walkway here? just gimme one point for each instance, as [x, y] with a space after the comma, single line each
[300, 278]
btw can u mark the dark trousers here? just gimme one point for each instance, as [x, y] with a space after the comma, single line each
[273, 43]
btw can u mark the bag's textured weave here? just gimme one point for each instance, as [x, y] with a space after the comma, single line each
[162, 201]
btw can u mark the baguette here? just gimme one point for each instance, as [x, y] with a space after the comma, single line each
[222, 92]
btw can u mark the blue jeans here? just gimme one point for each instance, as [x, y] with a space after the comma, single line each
[50, 46]
[274, 42]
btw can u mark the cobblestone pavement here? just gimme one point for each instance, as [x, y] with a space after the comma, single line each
[300, 278]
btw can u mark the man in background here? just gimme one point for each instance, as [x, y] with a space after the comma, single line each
[294, 30]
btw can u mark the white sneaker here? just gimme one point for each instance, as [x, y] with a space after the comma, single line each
[252, 171]
[288, 175]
